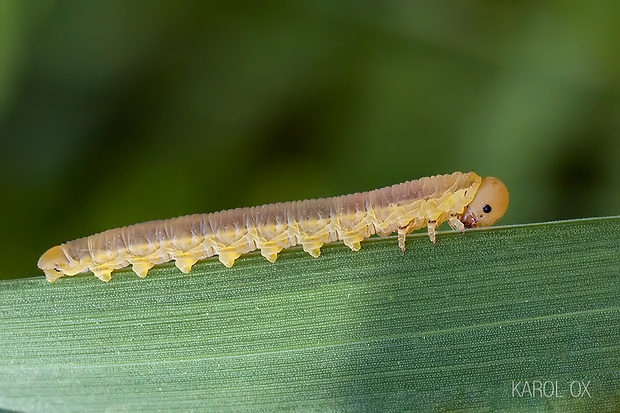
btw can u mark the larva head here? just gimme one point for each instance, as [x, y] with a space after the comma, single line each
[488, 206]
[54, 262]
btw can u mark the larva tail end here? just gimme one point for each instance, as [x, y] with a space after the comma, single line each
[54, 263]
[50, 277]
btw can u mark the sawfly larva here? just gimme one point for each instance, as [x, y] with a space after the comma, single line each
[465, 200]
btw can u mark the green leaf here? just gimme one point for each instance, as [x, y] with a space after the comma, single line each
[445, 327]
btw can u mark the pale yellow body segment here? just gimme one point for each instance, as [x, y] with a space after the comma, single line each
[400, 208]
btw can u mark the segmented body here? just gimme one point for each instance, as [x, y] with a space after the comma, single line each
[400, 208]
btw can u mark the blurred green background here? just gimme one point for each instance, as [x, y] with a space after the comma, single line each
[118, 112]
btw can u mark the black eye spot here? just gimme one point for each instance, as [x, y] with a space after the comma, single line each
[486, 209]
[56, 269]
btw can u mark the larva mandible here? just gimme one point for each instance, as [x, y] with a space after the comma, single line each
[465, 200]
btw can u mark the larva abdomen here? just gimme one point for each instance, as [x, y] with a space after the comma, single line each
[464, 200]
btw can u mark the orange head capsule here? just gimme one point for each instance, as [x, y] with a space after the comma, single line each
[488, 206]
[54, 263]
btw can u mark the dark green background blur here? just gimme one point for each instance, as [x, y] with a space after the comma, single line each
[117, 112]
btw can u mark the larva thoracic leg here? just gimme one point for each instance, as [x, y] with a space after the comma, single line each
[407, 229]
[464, 200]
[432, 230]
[456, 224]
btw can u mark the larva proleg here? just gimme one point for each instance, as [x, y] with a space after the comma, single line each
[465, 200]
